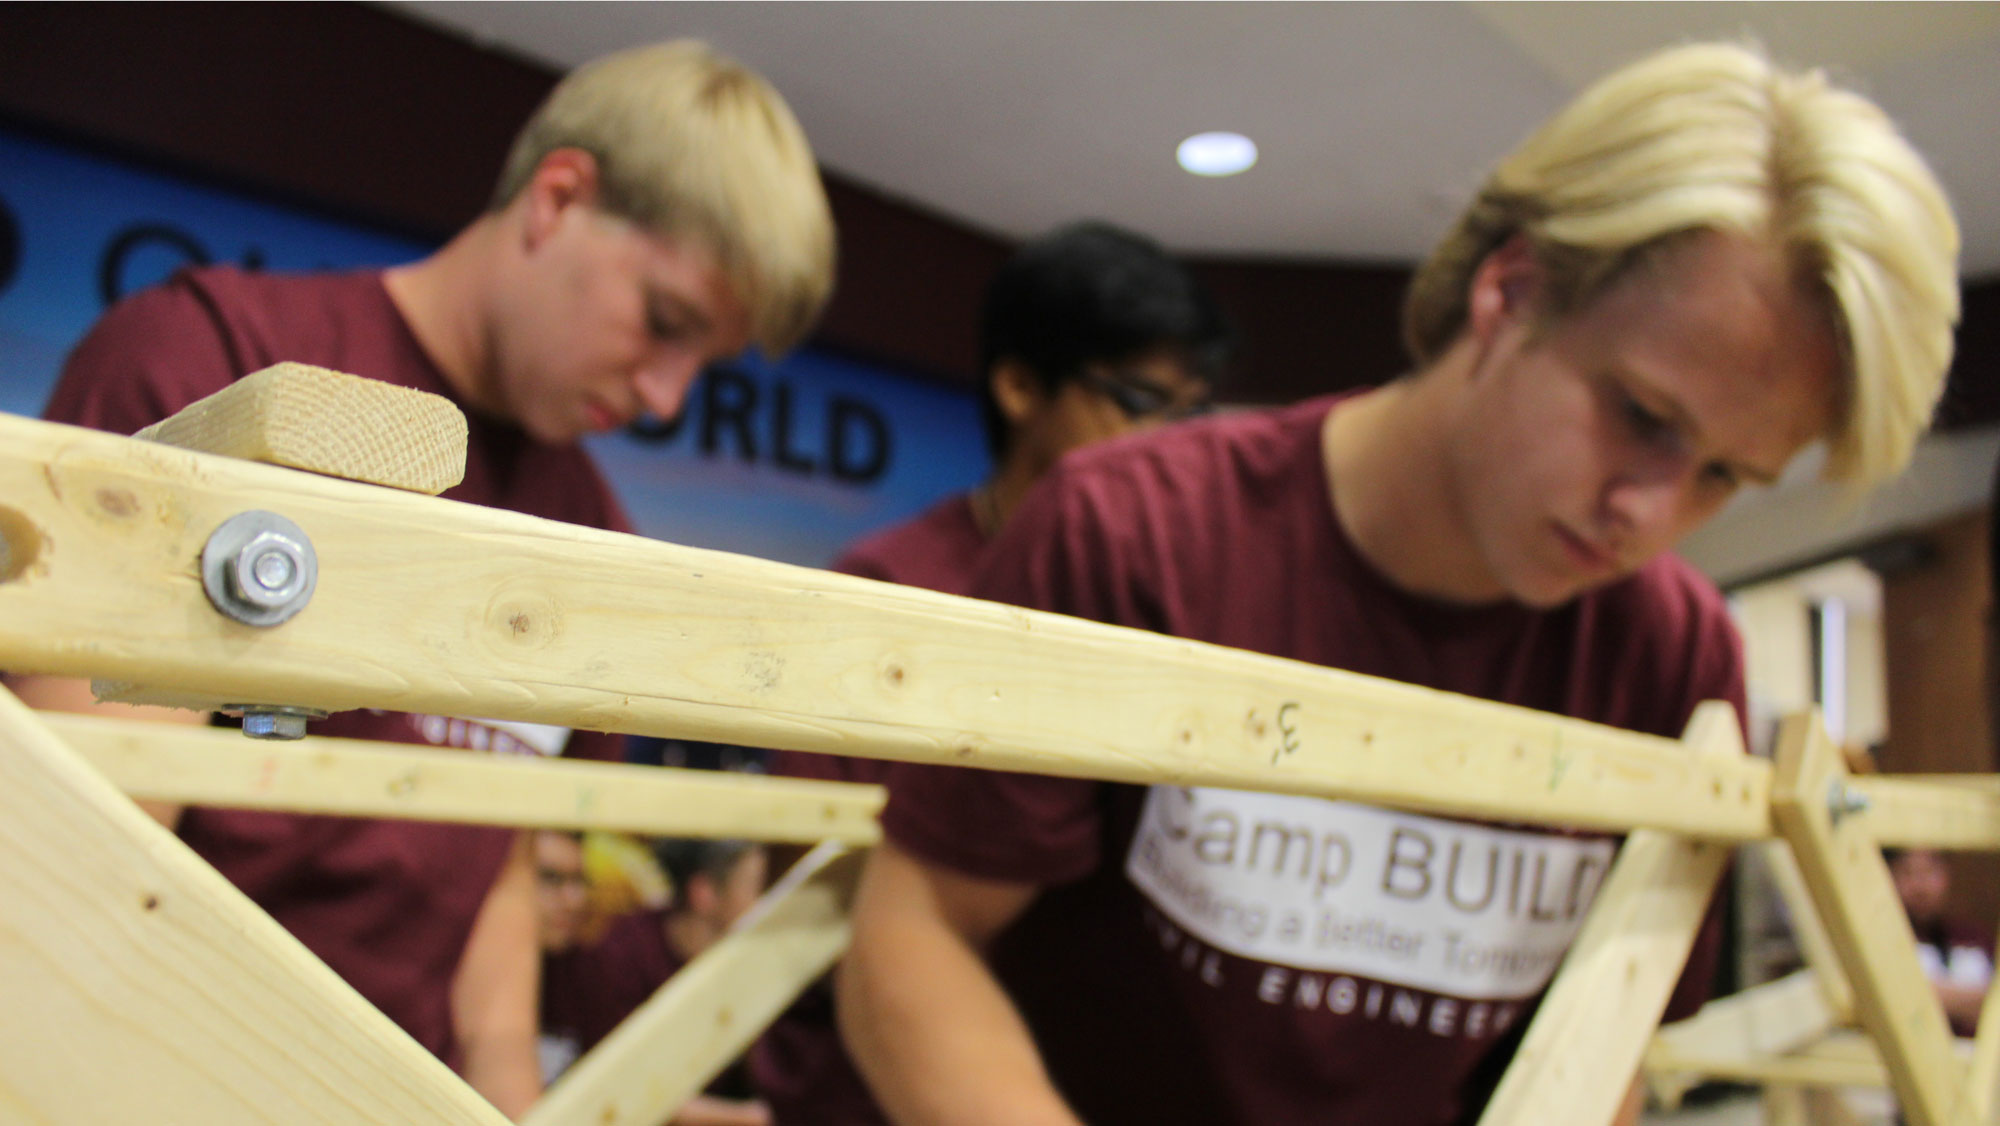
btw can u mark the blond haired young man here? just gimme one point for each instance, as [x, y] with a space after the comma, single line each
[661, 210]
[1696, 269]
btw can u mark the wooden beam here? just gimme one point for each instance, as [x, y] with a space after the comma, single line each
[1916, 811]
[142, 987]
[1582, 1051]
[433, 607]
[1983, 1072]
[353, 778]
[1842, 1059]
[706, 1015]
[1815, 944]
[327, 422]
[1809, 1067]
[1769, 1019]
[1850, 884]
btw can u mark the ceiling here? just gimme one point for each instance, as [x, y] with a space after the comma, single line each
[1374, 120]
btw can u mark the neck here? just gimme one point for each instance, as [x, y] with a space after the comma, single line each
[994, 502]
[443, 298]
[688, 934]
[1386, 455]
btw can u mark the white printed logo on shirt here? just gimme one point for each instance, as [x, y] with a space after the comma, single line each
[1459, 909]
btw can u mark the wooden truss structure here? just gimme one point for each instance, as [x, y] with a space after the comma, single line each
[137, 979]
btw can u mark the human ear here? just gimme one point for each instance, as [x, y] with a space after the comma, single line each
[1502, 289]
[1016, 391]
[563, 179]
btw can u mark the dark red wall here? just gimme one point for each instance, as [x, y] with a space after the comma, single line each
[358, 111]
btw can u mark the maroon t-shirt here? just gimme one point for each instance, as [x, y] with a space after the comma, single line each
[799, 1064]
[388, 905]
[1209, 956]
[588, 991]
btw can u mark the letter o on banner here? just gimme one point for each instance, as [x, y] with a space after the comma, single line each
[111, 268]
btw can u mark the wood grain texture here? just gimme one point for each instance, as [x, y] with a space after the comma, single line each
[1851, 888]
[1809, 930]
[328, 422]
[1931, 811]
[1584, 1046]
[1769, 1019]
[433, 607]
[707, 1014]
[219, 767]
[141, 987]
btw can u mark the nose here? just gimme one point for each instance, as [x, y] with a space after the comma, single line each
[662, 384]
[1650, 509]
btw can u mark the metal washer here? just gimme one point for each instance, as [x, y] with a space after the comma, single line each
[226, 544]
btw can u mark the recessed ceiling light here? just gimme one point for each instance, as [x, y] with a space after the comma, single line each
[1217, 154]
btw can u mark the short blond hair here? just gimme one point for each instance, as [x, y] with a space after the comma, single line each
[1714, 137]
[692, 145]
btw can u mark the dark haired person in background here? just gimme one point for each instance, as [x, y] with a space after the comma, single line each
[1087, 333]
[588, 990]
[1956, 956]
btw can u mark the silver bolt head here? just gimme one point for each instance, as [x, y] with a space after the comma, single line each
[269, 571]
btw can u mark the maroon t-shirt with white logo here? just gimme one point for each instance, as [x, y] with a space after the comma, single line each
[799, 1064]
[388, 905]
[1211, 956]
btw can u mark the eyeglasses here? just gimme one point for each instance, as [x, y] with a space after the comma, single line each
[1138, 398]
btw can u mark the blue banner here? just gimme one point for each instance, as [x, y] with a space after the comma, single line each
[788, 461]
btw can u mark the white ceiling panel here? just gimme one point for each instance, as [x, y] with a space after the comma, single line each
[1372, 120]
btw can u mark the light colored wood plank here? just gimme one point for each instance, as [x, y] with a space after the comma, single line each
[1983, 1072]
[1785, 1105]
[1843, 1059]
[706, 1015]
[329, 422]
[1582, 1050]
[218, 767]
[141, 987]
[1815, 944]
[447, 609]
[1776, 1017]
[1803, 1069]
[1915, 811]
[1826, 1106]
[1843, 868]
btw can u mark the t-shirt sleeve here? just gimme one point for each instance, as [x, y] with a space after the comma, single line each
[1055, 554]
[858, 561]
[146, 358]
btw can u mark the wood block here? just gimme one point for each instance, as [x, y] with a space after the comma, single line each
[352, 778]
[706, 1015]
[327, 422]
[141, 987]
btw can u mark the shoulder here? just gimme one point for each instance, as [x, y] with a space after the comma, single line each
[938, 548]
[1165, 489]
[1201, 459]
